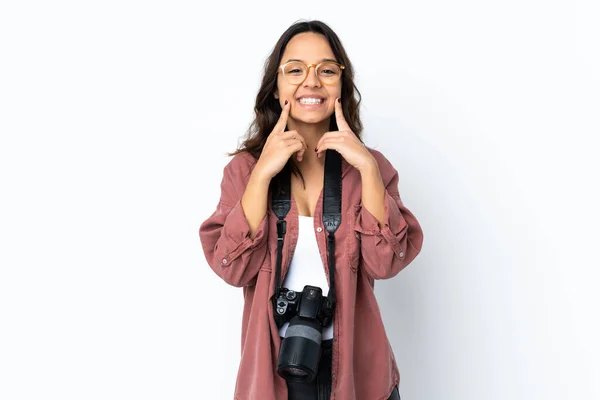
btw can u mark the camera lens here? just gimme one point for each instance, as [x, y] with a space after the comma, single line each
[300, 350]
[296, 371]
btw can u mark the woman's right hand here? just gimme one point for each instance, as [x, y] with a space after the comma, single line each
[280, 146]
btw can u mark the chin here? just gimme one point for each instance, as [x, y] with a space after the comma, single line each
[311, 122]
[315, 119]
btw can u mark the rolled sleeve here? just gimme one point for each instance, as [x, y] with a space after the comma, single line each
[228, 247]
[386, 250]
[236, 235]
[225, 236]
[389, 237]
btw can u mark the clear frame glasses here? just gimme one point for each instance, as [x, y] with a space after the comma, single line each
[295, 72]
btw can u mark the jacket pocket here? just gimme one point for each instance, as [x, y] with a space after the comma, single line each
[353, 239]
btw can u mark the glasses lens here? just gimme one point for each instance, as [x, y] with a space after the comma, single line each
[329, 72]
[294, 72]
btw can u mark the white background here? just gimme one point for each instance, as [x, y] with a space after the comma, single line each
[115, 117]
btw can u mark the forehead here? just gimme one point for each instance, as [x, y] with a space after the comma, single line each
[309, 47]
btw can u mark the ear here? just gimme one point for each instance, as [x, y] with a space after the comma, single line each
[276, 95]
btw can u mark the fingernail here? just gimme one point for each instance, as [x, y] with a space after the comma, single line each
[339, 100]
[286, 103]
[316, 149]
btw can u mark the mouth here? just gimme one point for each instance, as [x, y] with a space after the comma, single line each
[311, 102]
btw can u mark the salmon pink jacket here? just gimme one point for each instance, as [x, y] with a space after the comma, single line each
[363, 364]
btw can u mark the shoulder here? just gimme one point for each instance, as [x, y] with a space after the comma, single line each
[238, 169]
[242, 160]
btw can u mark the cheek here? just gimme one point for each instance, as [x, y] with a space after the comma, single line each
[282, 88]
[334, 94]
[333, 101]
[286, 93]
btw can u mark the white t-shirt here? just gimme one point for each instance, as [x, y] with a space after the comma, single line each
[306, 267]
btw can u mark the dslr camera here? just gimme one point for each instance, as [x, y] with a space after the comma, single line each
[308, 312]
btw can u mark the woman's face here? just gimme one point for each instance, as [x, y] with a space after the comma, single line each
[311, 48]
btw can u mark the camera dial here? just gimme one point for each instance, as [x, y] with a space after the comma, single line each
[291, 295]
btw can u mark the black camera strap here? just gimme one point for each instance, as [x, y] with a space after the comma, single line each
[332, 213]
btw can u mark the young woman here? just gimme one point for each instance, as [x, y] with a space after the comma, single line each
[305, 106]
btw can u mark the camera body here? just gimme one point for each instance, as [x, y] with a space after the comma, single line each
[310, 303]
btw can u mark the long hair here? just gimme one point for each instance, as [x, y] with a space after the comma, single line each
[268, 109]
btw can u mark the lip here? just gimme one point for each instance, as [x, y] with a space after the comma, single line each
[311, 106]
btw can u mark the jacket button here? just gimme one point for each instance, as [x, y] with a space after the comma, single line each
[224, 261]
[401, 254]
[319, 229]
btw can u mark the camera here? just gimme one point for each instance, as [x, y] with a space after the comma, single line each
[307, 312]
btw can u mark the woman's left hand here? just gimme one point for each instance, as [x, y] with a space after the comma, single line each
[345, 142]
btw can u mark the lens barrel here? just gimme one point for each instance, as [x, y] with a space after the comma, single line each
[300, 350]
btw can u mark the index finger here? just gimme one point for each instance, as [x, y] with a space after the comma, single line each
[339, 118]
[282, 122]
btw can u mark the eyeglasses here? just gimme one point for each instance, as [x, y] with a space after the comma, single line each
[295, 72]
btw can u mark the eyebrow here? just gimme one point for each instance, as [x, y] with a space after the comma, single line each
[323, 59]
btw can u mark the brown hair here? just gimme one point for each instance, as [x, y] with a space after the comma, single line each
[268, 109]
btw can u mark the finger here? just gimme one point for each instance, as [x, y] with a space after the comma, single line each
[298, 148]
[294, 135]
[282, 122]
[328, 135]
[320, 142]
[332, 143]
[295, 138]
[323, 149]
[301, 139]
[300, 153]
[339, 117]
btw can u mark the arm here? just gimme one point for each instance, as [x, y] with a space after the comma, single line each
[391, 236]
[234, 237]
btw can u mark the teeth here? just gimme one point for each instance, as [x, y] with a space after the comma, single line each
[310, 101]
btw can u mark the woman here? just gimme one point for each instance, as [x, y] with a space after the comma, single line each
[305, 106]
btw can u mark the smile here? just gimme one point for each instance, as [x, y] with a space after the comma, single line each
[311, 103]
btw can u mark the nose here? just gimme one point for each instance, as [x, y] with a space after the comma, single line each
[311, 77]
